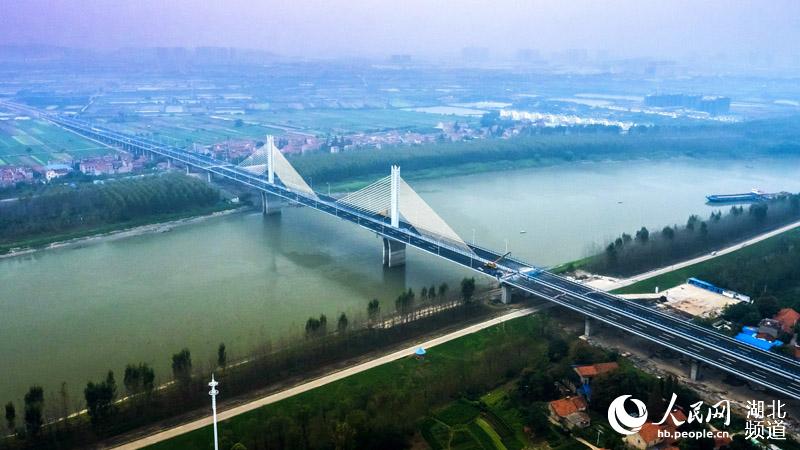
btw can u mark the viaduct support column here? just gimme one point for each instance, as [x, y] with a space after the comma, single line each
[270, 204]
[394, 253]
[505, 294]
[587, 326]
[187, 169]
[694, 371]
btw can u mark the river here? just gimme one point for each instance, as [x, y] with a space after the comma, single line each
[71, 314]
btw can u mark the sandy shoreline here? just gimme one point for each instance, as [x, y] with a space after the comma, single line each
[158, 227]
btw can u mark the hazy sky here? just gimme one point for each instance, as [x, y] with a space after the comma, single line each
[667, 28]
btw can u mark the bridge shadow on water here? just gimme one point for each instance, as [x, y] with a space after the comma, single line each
[325, 249]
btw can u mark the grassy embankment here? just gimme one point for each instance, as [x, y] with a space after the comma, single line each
[401, 391]
[726, 269]
[486, 390]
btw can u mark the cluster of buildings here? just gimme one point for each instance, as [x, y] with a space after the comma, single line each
[446, 132]
[571, 412]
[302, 143]
[299, 143]
[710, 104]
[232, 150]
[120, 163]
[115, 164]
[380, 139]
[11, 175]
[771, 332]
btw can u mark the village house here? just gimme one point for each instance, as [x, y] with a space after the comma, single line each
[652, 436]
[11, 175]
[106, 165]
[787, 317]
[570, 412]
[53, 171]
[586, 373]
[768, 329]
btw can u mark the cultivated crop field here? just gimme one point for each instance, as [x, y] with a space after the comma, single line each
[35, 142]
[184, 130]
[341, 121]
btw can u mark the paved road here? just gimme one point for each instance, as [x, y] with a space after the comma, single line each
[702, 344]
[653, 273]
[330, 378]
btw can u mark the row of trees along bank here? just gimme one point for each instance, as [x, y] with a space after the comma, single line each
[110, 413]
[70, 208]
[645, 249]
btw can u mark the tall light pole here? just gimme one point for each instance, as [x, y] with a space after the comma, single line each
[213, 393]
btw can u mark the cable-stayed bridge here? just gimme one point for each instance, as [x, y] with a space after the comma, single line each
[391, 209]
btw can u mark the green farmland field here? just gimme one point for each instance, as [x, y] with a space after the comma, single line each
[30, 142]
[183, 130]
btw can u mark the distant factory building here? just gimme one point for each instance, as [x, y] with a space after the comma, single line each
[711, 104]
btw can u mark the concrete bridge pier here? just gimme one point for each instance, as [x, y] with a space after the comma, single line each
[694, 370]
[270, 204]
[169, 163]
[394, 253]
[587, 326]
[505, 294]
[209, 176]
[188, 170]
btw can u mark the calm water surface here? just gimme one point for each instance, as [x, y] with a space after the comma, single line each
[73, 313]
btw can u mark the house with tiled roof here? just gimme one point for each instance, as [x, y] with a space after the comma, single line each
[787, 317]
[652, 435]
[647, 437]
[590, 371]
[570, 412]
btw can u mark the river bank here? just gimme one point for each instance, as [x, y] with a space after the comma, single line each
[161, 224]
[466, 169]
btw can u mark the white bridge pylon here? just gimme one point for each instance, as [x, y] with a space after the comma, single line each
[268, 160]
[392, 197]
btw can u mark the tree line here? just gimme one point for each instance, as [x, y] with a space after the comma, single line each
[768, 272]
[406, 306]
[645, 249]
[59, 209]
[113, 409]
[774, 137]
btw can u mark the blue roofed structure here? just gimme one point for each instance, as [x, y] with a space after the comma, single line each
[748, 336]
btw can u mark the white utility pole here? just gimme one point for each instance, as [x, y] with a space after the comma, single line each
[213, 393]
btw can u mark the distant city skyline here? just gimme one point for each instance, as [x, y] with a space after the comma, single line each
[675, 29]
